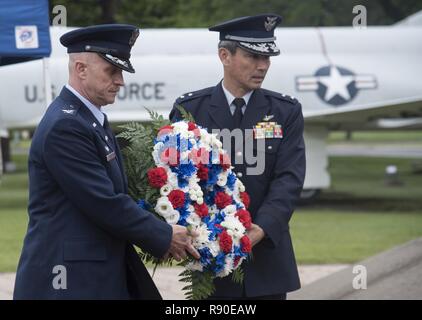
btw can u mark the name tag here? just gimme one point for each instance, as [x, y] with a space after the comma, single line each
[111, 156]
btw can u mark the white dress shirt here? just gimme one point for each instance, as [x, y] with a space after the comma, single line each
[230, 98]
[94, 110]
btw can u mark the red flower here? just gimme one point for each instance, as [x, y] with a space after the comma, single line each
[244, 217]
[177, 198]
[201, 209]
[165, 130]
[246, 245]
[222, 200]
[244, 196]
[236, 261]
[225, 241]
[157, 177]
[202, 172]
[170, 156]
[200, 156]
[191, 126]
[225, 161]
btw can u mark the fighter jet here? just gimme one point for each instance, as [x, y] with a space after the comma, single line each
[345, 78]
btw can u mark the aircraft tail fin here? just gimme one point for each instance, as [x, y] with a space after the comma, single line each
[414, 20]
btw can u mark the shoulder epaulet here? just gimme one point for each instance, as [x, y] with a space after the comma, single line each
[194, 94]
[280, 96]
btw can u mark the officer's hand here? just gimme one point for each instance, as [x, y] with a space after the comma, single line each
[181, 243]
[255, 234]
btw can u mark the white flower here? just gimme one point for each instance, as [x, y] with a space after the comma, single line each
[230, 210]
[193, 197]
[232, 223]
[200, 201]
[165, 190]
[195, 266]
[222, 179]
[214, 248]
[240, 185]
[213, 209]
[184, 157]
[156, 152]
[193, 219]
[205, 138]
[228, 267]
[164, 207]
[173, 217]
[180, 127]
[172, 179]
[202, 239]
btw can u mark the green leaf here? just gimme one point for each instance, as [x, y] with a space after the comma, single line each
[185, 115]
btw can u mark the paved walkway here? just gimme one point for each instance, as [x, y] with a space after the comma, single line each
[171, 289]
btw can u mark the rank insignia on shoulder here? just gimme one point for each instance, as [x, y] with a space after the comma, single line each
[267, 130]
[68, 111]
[111, 156]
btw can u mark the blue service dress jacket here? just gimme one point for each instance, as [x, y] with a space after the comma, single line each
[80, 216]
[273, 193]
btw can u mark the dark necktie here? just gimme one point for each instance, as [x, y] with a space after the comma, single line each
[238, 115]
[108, 131]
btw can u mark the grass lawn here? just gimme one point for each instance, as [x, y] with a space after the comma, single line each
[357, 217]
[330, 236]
[377, 136]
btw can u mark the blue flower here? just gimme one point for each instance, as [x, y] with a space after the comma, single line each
[184, 212]
[209, 198]
[213, 171]
[237, 250]
[231, 180]
[143, 204]
[219, 262]
[219, 217]
[206, 257]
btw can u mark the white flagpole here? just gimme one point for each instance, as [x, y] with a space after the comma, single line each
[47, 82]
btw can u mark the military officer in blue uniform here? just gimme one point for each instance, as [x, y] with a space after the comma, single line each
[82, 224]
[276, 123]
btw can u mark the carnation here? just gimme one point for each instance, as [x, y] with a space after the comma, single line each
[202, 172]
[245, 218]
[225, 241]
[244, 196]
[245, 244]
[222, 200]
[177, 198]
[201, 210]
[157, 177]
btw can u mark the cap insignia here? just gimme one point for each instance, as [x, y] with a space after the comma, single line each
[270, 23]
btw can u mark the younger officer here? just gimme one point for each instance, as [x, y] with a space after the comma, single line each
[238, 102]
[82, 223]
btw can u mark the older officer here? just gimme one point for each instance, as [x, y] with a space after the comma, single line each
[82, 223]
[238, 101]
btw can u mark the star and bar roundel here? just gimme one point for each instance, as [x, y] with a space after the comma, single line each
[336, 85]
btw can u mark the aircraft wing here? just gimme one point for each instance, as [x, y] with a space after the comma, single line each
[393, 114]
